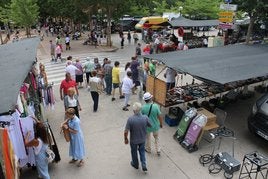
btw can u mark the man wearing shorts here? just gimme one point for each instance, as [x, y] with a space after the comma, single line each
[116, 80]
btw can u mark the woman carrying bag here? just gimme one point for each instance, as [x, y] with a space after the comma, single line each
[77, 148]
[40, 144]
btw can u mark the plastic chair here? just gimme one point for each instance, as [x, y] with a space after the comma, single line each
[220, 117]
[222, 131]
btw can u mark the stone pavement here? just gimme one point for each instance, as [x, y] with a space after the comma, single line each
[108, 157]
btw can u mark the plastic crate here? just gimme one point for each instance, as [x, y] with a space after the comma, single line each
[171, 120]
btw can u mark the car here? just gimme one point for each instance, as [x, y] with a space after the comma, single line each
[258, 119]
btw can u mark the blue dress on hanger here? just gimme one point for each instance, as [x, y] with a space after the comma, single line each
[77, 147]
[41, 161]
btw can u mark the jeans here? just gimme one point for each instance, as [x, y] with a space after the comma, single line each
[156, 142]
[134, 154]
[109, 84]
[95, 97]
[170, 86]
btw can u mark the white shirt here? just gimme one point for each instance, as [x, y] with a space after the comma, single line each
[156, 41]
[94, 83]
[170, 75]
[67, 39]
[71, 69]
[127, 85]
[72, 102]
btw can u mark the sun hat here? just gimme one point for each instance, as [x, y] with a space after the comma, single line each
[147, 96]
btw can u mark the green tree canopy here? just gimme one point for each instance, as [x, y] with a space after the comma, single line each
[24, 13]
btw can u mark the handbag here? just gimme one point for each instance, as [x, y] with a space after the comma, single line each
[66, 134]
[50, 155]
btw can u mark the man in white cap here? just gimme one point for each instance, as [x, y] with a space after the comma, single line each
[153, 112]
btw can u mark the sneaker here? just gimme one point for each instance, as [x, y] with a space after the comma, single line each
[125, 109]
[128, 105]
[144, 169]
[122, 97]
[113, 99]
[148, 151]
[132, 164]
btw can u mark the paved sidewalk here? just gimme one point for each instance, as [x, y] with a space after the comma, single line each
[107, 157]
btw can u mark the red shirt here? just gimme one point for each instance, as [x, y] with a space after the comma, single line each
[65, 85]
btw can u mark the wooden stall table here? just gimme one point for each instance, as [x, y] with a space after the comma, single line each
[211, 123]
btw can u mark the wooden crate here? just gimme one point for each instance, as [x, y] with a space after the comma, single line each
[157, 88]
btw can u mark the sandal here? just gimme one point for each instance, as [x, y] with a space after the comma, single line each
[72, 161]
[81, 163]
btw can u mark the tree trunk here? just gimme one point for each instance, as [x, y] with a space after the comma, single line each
[250, 28]
[1, 38]
[108, 30]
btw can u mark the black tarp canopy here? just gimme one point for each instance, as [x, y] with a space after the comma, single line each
[219, 64]
[16, 60]
[183, 22]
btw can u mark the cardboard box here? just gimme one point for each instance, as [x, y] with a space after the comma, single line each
[211, 118]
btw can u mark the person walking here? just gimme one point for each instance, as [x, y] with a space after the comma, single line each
[135, 37]
[79, 73]
[136, 126]
[52, 51]
[153, 112]
[129, 37]
[108, 77]
[71, 101]
[66, 84]
[70, 68]
[127, 87]
[134, 66]
[58, 52]
[95, 88]
[138, 50]
[88, 68]
[77, 147]
[116, 80]
[67, 42]
[40, 145]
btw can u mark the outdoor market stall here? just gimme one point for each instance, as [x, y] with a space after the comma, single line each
[24, 93]
[221, 69]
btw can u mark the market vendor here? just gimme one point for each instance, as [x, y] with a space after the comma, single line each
[170, 76]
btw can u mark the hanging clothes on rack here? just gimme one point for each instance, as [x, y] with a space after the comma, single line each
[8, 155]
[15, 135]
[27, 125]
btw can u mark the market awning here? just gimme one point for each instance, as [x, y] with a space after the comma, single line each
[183, 22]
[220, 64]
[16, 60]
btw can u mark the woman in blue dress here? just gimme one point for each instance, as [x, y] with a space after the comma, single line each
[40, 144]
[77, 148]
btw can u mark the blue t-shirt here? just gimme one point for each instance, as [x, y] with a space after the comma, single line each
[137, 125]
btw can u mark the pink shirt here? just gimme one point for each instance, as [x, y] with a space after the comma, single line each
[58, 49]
